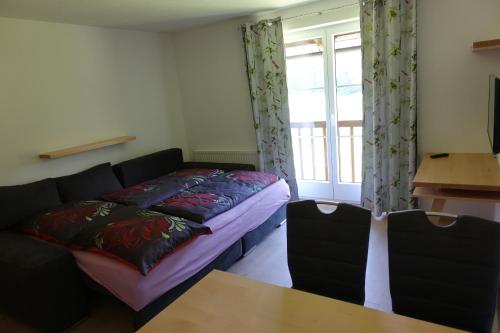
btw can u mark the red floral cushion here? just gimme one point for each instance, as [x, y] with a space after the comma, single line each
[61, 225]
[148, 193]
[145, 238]
[215, 196]
[135, 236]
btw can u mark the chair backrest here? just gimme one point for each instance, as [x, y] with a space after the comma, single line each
[327, 253]
[447, 275]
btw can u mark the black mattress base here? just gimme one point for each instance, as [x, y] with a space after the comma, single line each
[254, 237]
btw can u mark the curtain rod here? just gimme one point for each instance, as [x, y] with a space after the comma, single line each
[320, 12]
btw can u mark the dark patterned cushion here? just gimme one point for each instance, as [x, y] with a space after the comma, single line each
[216, 195]
[255, 179]
[148, 193]
[62, 224]
[142, 238]
[138, 237]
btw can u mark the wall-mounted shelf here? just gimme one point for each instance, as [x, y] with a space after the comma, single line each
[86, 147]
[486, 45]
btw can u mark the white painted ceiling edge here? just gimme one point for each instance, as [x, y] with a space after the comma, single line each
[312, 15]
[144, 15]
[301, 17]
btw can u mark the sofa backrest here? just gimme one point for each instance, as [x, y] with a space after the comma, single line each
[88, 184]
[148, 167]
[22, 201]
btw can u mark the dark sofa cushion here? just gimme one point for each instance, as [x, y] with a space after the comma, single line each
[149, 167]
[88, 184]
[21, 201]
[40, 283]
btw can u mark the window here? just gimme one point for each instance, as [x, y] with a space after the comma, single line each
[349, 105]
[306, 94]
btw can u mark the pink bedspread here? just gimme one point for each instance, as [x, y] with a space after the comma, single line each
[137, 290]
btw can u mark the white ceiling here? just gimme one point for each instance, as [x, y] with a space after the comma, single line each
[149, 15]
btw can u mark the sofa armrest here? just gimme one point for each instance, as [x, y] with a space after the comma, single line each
[222, 166]
[23, 251]
[40, 283]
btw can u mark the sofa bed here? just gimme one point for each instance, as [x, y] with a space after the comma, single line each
[144, 231]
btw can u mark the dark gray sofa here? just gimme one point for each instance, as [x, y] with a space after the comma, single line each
[40, 282]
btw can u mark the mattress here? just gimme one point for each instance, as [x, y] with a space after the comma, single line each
[137, 290]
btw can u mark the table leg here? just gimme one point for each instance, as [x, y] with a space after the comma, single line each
[437, 206]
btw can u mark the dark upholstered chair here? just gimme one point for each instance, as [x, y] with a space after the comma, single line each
[327, 253]
[446, 275]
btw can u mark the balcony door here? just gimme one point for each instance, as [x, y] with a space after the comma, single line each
[324, 87]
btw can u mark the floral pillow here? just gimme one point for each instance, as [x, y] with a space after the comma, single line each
[215, 196]
[143, 238]
[148, 193]
[257, 179]
[62, 224]
[138, 237]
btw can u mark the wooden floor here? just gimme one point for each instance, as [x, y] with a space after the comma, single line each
[266, 263]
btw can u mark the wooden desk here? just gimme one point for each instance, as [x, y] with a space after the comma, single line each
[458, 177]
[223, 302]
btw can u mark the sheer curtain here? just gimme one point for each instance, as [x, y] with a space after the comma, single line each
[389, 47]
[265, 57]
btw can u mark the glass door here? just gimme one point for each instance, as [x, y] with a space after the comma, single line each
[348, 113]
[309, 121]
[325, 101]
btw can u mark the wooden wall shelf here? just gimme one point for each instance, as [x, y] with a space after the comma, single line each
[486, 45]
[86, 147]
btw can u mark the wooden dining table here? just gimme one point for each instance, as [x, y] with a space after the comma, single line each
[222, 302]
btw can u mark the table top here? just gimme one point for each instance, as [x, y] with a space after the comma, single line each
[462, 171]
[224, 302]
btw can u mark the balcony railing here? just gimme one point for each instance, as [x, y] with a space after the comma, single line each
[310, 150]
[349, 150]
[310, 147]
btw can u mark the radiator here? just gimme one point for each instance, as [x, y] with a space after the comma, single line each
[226, 156]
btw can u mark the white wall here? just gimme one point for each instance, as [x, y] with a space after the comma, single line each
[453, 81]
[215, 96]
[63, 85]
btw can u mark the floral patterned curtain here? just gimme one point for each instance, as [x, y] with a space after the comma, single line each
[388, 34]
[265, 56]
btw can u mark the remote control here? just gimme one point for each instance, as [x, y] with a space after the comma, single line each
[440, 155]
